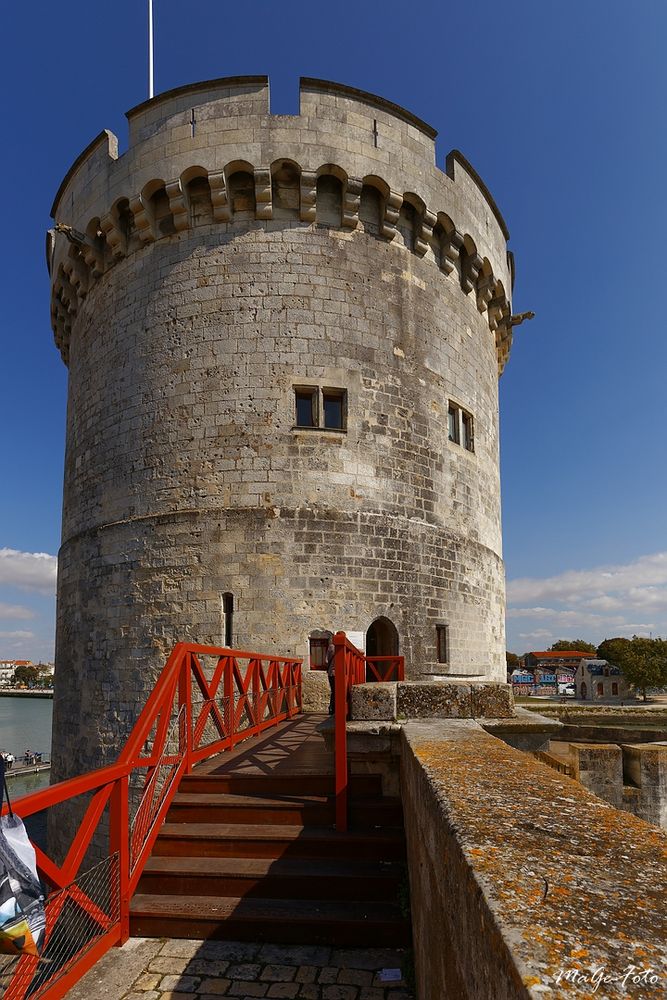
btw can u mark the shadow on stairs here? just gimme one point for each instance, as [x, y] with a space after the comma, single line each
[249, 852]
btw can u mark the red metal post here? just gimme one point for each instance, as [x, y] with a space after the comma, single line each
[257, 692]
[185, 705]
[340, 727]
[119, 841]
[228, 688]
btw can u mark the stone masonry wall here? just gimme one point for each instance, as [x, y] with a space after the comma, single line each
[522, 883]
[189, 314]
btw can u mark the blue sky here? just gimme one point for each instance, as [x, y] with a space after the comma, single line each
[559, 106]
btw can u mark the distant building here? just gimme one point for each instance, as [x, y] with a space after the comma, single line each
[598, 680]
[7, 668]
[522, 682]
[561, 662]
[539, 681]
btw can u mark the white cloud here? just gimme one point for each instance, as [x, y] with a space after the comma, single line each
[17, 635]
[644, 572]
[16, 612]
[28, 570]
[593, 604]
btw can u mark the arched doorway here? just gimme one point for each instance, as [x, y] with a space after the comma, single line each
[584, 690]
[382, 638]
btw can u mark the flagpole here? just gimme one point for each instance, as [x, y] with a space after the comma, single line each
[150, 49]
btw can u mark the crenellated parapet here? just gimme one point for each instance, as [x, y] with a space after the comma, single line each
[212, 155]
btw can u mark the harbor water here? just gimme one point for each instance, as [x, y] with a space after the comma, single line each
[25, 724]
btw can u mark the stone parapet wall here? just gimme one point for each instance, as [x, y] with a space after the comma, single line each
[519, 874]
[454, 699]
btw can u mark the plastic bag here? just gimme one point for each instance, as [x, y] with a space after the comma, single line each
[22, 918]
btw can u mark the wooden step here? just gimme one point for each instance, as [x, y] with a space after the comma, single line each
[314, 810]
[263, 840]
[338, 923]
[282, 878]
[238, 783]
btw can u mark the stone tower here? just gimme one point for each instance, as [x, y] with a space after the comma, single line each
[284, 335]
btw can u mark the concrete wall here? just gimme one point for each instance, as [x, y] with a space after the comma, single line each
[519, 877]
[205, 288]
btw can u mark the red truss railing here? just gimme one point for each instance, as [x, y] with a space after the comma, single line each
[205, 701]
[385, 668]
[351, 666]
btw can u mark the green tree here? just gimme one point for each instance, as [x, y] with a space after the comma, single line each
[512, 660]
[580, 645]
[643, 661]
[26, 675]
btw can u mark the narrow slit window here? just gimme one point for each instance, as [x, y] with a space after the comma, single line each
[306, 407]
[228, 615]
[442, 642]
[333, 405]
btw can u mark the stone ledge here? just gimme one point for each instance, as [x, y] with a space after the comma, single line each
[454, 699]
[451, 699]
[525, 870]
[526, 731]
[373, 701]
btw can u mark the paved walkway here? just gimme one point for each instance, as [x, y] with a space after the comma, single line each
[151, 969]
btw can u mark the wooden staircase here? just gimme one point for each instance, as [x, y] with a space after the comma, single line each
[246, 855]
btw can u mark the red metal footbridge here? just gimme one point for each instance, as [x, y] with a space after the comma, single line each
[205, 703]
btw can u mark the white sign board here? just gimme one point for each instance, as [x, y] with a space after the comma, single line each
[358, 638]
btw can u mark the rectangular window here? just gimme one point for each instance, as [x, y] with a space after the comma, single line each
[468, 437]
[323, 409]
[453, 424]
[318, 653]
[460, 427]
[442, 639]
[333, 405]
[306, 407]
[614, 687]
[600, 688]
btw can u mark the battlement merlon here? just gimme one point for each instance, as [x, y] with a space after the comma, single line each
[211, 123]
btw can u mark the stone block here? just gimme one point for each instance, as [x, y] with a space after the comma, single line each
[599, 768]
[492, 700]
[315, 691]
[371, 702]
[434, 700]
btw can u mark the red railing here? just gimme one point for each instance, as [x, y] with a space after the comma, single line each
[199, 707]
[351, 666]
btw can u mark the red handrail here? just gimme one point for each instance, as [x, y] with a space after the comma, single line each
[351, 666]
[180, 725]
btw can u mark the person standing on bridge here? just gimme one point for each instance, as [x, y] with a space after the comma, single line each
[330, 658]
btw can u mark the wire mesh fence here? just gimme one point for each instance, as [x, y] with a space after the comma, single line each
[76, 918]
[157, 787]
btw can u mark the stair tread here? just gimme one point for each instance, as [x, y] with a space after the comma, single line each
[273, 831]
[255, 908]
[231, 799]
[271, 800]
[262, 867]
